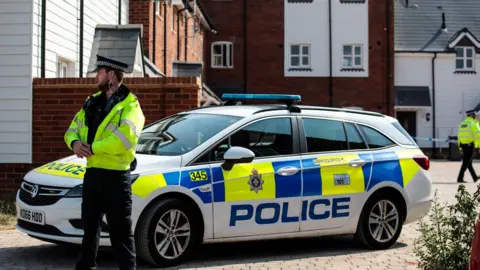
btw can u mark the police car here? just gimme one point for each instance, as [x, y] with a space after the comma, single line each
[248, 172]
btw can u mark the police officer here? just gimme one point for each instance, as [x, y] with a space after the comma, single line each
[468, 140]
[105, 131]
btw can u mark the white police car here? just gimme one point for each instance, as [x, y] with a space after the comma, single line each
[244, 172]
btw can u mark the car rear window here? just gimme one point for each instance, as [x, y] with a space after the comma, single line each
[410, 140]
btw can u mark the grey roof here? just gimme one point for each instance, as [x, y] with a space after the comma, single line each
[187, 69]
[418, 96]
[122, 42]
[151, 69]
[415, 28]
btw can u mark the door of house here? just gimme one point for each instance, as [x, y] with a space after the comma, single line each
[408, 120]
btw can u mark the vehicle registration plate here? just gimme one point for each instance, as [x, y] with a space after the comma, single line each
[31, 216]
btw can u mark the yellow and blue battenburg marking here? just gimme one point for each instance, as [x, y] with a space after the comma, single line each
[146, 184]
[67, 169]
[233, 185]
[326, 175]
[329, 175]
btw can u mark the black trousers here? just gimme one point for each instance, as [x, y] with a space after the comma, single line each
[107, 192]
[467, 150]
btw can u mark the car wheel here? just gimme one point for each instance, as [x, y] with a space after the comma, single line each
[380, 223]
[168, 233]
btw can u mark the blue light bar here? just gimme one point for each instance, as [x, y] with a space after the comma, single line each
[278, 97]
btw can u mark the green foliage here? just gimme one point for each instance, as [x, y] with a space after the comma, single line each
[7, 213]
[447, 233]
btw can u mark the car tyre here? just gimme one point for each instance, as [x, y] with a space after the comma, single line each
[380, 222]
[156, 227]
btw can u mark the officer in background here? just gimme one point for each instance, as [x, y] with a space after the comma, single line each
[105, 131]
[468, 140]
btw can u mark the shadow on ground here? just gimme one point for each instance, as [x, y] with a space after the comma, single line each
[50, 256]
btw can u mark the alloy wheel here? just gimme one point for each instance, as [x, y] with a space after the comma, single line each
[172, 234]
[383, 221]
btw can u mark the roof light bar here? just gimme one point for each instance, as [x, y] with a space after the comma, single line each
[277, 97]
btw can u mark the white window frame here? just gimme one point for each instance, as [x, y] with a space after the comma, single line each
[65, 68]
[222, 54]
[301, 55]
[465, 58]
[353, 55]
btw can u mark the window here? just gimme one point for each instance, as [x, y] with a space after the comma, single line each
[408, 138]
[374, 138]
[300, 56]
[222, 55]
[180, 134]
[352, 56]
[324, 135]
[266, 138]
[464, 58]
[65, 68]
[354, 139]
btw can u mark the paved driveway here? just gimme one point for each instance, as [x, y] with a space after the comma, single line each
[18, 251]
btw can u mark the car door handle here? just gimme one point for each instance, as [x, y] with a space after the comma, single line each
[287, 171]
[357, 163]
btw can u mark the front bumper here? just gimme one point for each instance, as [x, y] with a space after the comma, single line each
[61, 219]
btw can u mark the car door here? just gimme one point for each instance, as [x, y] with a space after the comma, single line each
[336, 169]
[262, 196]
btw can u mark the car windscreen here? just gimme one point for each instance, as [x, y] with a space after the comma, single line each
[182, 133]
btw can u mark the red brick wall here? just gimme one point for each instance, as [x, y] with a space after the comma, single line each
[227, 16]
[55, 102]
[142, 12]
[265, 56]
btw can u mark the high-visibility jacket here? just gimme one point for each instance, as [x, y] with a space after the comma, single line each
[116, 137]
[469, 132]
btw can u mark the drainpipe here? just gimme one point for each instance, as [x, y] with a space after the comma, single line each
[120, 11]
[186, 36]
[165, 38]
[433, 102]
[80, 56]
[330, 79]
[245, 68]
[42, 42]
[387, 56]
[154, 34]
[178, 30]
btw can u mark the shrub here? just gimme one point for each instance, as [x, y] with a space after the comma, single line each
[7, 213]
[447, 233]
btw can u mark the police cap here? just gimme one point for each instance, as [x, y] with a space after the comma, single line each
[110, 63]
[471, 112]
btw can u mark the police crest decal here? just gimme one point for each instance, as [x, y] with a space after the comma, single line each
[255, 182]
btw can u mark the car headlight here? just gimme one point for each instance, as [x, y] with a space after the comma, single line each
[76, 191]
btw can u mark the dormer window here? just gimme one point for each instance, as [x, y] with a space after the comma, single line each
[465, 45]
[464, 60]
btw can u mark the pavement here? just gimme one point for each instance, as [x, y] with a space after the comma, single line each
[19, 251]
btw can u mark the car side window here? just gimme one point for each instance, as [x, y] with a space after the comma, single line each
[324, 135]
[355, 141]
[266, 138]
[375, 139]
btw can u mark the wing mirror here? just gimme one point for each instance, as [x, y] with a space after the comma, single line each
[236, 155]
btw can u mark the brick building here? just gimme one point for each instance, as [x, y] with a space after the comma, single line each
[284, 46]
[172, 31]
[49, 39]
